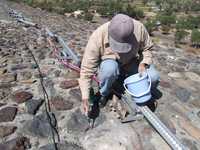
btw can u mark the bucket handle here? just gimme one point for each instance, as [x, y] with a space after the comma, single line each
[139, 95]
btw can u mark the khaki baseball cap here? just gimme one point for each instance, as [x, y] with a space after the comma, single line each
[120, 33]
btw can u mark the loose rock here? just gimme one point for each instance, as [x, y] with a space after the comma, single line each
[26, 75]
[8, 114]
[32, 106]
[72, 75]
[7, 85]
[39, 126]
[175, 75]
[192, 76]
[60, 104]
[68, 84]
[4, 93]
[165, 84]
[22, 96]
[183, 94]
[190, 144]
[19, 143]
[76, 94]
[18, 67]
[8, 77]
[78, 123]
[2, 71]
[2, 104]
[7, 130]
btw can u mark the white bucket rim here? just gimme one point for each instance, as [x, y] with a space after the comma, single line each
[141, 94]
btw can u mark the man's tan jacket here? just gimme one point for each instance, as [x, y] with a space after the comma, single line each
[98, 49]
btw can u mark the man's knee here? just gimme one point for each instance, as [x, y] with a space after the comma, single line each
[154, 74]
[108, 68]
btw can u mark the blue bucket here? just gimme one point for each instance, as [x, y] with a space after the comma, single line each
[139, 87]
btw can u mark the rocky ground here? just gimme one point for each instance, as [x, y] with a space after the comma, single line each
[23, 121]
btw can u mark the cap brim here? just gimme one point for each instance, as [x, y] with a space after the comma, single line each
[119, 47]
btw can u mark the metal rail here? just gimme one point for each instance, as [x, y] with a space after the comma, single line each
[20, 18]
[165, 133]
[66, 53]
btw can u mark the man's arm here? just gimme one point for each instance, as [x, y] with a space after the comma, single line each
[89, 64]
[146, 47]
[145, 50]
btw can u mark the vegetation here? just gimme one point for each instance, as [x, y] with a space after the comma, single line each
[172, 15]
[106, 8]
[189, 23]
[133, 11]
[195, 38]
[180, 35]
[178, 5]
[71, 6]
[169, 17]
[150, 25]
[110, 7]
[166, 20]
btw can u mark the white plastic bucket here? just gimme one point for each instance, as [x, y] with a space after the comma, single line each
[139, 87]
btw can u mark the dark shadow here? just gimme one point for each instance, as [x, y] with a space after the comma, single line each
[94, 111]
[152, 103]
[156, 94]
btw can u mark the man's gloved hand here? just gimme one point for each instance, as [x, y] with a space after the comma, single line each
[85, 106]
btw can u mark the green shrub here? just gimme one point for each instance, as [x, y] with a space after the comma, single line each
[195, 7]
[76, 5]
[188, 23]
[195, 21]
[106, 8]
[88, 16]
[166, 19]
[150, 26]
[134, 12]
[183, 24]
[110, 7]
[29, 2]
[195, 38]
[180, 35]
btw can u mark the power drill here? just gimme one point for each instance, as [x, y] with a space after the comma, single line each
[93, 111]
